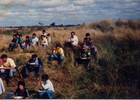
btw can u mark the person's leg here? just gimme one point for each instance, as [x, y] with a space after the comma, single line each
[50, 93]
[60, 59]
[39, 70]
[1, 72]
[27, 47]
[52, 57]
[94, 53]
[49, 39]
[11, 72]
[87, 63]
[11, 47]
[28, 69]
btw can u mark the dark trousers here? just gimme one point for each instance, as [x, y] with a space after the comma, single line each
[86, 62]
[37, 70]
[12, 46]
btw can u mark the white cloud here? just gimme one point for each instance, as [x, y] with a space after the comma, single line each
[83, 2]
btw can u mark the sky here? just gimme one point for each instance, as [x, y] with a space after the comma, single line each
[30, 12]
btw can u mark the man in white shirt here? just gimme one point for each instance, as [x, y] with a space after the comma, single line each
[34, 40]
[47, 86]
[73, 40]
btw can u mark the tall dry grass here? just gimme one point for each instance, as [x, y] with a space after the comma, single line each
[115, 75]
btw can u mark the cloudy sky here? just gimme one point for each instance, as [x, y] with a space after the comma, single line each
[30, 12]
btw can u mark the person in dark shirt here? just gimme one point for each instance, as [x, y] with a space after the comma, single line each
[27, 42]
[84, 57]
[34, 64]
[13, 43]
[21, 91]
[88, 42]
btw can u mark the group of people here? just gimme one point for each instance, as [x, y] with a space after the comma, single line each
[35, 64]
[18, 41]
[88, 49]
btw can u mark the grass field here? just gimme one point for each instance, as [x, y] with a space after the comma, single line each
[114, 76]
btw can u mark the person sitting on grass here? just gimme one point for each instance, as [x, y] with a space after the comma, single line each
[88, 41]
[27, 42]
[84, 57]
[20, 41]
[2, 89]
[57, 54]
[34, 64]
[8, 67]
[13, 43]
[20, 93]
[47, 87]
[34, 40]
[73, 40]
[47, 35]
[44, 41]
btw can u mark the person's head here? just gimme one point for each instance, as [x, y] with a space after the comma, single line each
[14, 36]
[21, 85]
[42, 37]
[72, 34]
[34, 56]
[4, 57]
[87, 35]
[45, 77]
[17, 35]
[27, 37]
[34, 35]
[84, 48]
[20, 36]
[43, 31]
[58, 45]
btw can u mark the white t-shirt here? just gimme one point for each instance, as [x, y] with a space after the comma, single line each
[34, 40]
[74, 39]
[47, 85]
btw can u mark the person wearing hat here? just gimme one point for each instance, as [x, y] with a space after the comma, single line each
[84, 57]
[88, 42]
[57, 54]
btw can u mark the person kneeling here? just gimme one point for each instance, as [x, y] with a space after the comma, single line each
[34, 64]
[47, 87]
[84, 56]
[57, 54]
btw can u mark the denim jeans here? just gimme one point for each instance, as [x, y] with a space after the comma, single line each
[49, 39]
[21, 45]
[36, 69]
[47, 94]
[57, 57]
[11, 72]
[44, 45]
